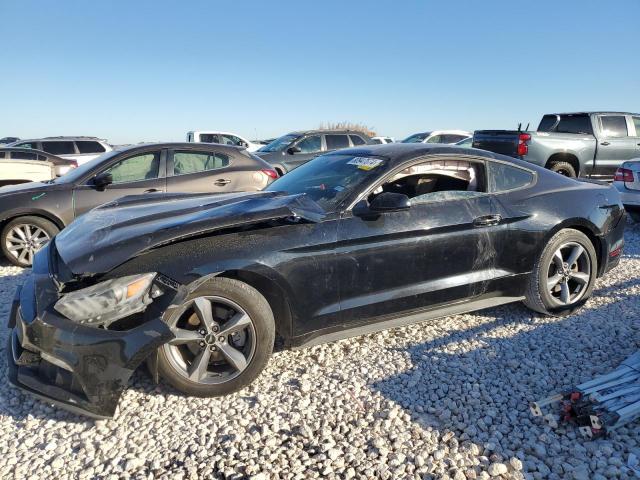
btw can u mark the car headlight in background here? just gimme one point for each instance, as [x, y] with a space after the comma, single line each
[108, 301]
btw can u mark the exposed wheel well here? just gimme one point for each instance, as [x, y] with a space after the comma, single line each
[565, 157]
[275, 296]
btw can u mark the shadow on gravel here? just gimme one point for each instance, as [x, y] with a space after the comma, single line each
[477, 383]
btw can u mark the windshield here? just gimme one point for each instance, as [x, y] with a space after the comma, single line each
[86, 168]
[329, 179]
[416, 138]
[279, 144]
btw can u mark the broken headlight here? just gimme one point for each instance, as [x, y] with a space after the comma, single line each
[108, 301]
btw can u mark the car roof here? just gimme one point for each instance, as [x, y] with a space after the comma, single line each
[59, 138]
[189, 145]
[603, 112]
[398, 153]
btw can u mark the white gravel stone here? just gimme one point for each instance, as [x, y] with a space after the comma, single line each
[446, 399]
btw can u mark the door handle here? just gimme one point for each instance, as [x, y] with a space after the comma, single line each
[221, 182]
[605, 143]
[152, 190]
[487, 220]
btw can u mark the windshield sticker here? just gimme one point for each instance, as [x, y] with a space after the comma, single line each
[364, 163]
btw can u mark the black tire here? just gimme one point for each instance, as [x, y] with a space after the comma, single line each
[538, 297]
[258, 309]
[33, 222]
[563, 168]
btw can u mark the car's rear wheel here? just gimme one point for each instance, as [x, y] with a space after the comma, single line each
[224, 335]
[563, 277]
[563, 168]
[22, 237]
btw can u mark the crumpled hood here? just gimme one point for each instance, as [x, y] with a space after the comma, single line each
[111, 234]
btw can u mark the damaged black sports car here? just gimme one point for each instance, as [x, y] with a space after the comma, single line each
[204, 287]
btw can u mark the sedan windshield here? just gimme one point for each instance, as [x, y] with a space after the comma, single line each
[280, 143]
[329, 179]
[416, 138]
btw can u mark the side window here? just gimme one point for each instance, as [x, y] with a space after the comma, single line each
[310, 144]
[27, 145]
[186, 162]
[636, 123]
[356, 140]
[335, 142]
[504, 177]
[580, 124]
[59, 148]
[1, 155]
[438, 180]
[89, 147]
[136, 169]
[376, 141]
[24, 156]
[435, 139]
[230, 140]
[614, 126]
[209, 138]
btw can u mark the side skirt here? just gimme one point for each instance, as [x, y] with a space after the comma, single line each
[363, 329]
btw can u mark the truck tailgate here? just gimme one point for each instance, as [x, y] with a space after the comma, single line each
[504, 142]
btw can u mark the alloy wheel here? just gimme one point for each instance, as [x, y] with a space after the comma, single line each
[569, 274]
[24, 240]
[214, 342]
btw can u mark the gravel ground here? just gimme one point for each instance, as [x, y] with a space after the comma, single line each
[440, 400]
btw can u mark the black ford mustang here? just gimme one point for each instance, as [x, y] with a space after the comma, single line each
[203, 287]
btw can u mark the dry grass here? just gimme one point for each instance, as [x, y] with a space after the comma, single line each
[357, 127]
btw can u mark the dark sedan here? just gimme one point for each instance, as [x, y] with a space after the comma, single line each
[202, 287]
[32, 213]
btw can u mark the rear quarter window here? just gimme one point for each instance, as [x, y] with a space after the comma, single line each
[357, 140]
[503, 177]
[547, 123]
[335, 142]
[89, 147]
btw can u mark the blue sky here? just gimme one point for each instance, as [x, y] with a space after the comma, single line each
[145, 71]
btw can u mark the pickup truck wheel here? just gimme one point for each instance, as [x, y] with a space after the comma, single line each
[224, 336]
[563, 277]
[22, 237]
[563, 168]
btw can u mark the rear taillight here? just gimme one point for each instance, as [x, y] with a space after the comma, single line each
[270, 173]
[523, 148]
[623, 175]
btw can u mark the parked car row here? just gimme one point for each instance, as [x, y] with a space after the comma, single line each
[32, 213]
[354, 241]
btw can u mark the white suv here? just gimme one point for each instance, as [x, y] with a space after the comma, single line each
[223, 138]
[438, 136]
[80, 149]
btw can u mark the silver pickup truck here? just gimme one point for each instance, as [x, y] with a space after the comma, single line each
[588, 144]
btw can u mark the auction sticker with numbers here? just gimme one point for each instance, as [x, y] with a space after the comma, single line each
[365, 163]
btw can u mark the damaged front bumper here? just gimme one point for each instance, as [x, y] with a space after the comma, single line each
[80, 368]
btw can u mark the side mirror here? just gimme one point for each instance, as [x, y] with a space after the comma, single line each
[102, 180]
[390, 202]
[293, 150]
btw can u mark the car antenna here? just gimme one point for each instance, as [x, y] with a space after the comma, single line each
[519, 127]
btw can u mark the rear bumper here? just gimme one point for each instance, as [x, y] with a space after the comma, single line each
[630, 198]
[82, 369]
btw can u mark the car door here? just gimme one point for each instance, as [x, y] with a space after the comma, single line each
[615, 145]
[432, 254]
[207, 171]
[137, 173]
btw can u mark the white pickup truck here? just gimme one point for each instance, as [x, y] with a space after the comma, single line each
[23, 171]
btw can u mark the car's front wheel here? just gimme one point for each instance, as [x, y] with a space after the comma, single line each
[22, 237]
[224, 336]
[563, 277]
